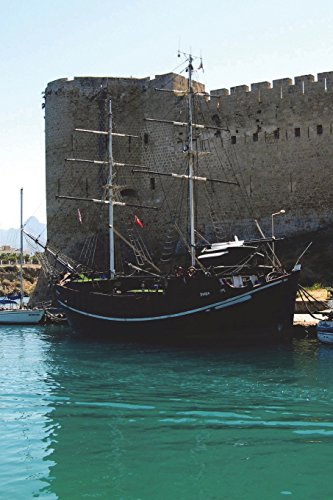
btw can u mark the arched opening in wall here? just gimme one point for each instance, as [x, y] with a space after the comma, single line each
[217, 120]
[129, 193]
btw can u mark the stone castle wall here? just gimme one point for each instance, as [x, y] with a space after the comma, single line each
[275, 140]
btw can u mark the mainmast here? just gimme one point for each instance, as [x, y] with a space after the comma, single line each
[21, 248]
[190, 162]
[190, 177]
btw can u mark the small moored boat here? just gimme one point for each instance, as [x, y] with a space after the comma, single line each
[15, 313]
[325, 330]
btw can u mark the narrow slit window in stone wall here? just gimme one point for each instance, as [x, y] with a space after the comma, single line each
[152, 183]
[297, 132]
[255, 137]
[233, 139]
[319, 129]
[145, 138]
[277, 133]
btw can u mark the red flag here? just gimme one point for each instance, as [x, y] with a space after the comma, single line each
[138, 221]
[79, 216]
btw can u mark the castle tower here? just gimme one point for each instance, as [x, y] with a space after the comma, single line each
[275, 140]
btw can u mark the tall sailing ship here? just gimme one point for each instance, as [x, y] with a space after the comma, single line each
[224, 290]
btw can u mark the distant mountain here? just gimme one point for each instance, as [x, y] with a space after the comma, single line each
[32, 226]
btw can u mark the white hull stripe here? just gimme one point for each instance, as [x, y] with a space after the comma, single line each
[207, 308]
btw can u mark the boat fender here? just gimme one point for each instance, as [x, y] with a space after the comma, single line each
[191, 271]
[179, 272]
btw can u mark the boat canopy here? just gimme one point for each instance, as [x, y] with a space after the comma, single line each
[7, 301]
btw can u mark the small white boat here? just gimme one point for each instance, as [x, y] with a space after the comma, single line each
[325, 331]
[13, 313]
[21, 316]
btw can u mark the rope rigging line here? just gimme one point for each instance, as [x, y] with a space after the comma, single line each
[231, 163]
[96, 215]
[211, 190]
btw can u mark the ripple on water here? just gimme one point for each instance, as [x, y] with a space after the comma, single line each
[110, 420]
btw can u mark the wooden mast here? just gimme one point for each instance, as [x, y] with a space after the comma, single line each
[190, 162]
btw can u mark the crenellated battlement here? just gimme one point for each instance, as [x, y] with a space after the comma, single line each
[281, 87]
[302, 84]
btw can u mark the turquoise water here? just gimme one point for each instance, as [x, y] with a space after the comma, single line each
[84, 419]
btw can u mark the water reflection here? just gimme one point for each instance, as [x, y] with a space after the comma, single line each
[27, 429]
[123, 412]
[148, 422]
[112, 420]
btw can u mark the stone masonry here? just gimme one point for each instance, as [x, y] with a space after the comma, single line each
[276, 140]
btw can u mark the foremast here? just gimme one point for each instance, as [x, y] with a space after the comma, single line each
[110, 198]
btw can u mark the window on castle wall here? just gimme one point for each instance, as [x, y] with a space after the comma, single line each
[145, 138]
[255, 137]
[297, 132]
[319, 129]
[152, 183]
[277, 133]
[233, 139]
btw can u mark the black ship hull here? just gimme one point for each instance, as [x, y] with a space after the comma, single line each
[201, 307]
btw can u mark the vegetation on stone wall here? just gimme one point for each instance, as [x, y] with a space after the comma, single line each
[10, 278]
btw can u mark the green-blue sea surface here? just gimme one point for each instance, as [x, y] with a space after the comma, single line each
[98, 419]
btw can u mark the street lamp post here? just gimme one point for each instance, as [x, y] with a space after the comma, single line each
[273, 237]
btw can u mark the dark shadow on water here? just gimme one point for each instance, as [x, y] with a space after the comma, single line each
[190, 345]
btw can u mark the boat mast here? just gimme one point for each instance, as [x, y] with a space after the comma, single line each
[21, 248]
[110, 197]
[190, 162]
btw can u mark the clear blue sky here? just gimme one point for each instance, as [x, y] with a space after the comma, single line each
[40, 41]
